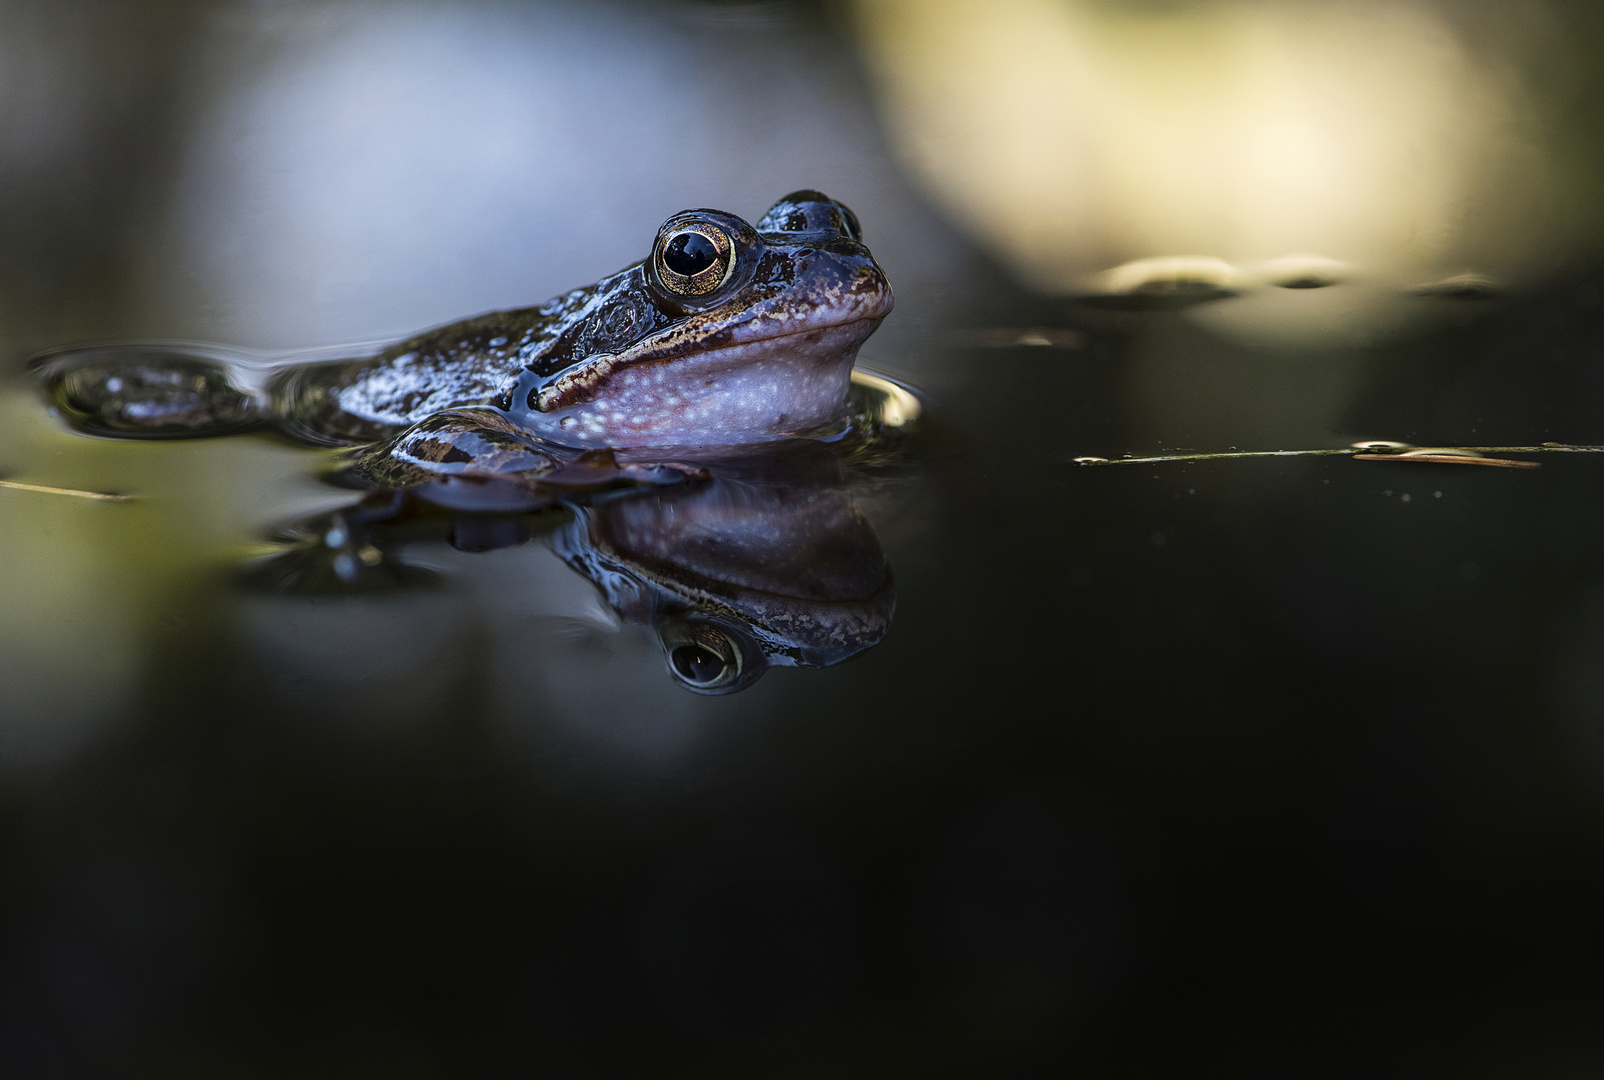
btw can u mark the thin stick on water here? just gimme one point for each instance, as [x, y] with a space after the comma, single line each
[102, 496]
[1376, 450]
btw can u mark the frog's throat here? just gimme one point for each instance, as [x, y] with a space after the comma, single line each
[583, 382]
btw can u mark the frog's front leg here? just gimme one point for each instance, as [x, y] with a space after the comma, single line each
[467, 458]
[477, 459]
[147, 391]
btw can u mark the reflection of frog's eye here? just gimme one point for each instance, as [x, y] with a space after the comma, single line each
[704, 657]
[695, 259]
[703, 668]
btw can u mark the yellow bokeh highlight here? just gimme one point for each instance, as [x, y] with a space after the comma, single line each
[1072, 137]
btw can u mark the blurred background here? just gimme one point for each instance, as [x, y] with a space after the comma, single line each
[1269, 767]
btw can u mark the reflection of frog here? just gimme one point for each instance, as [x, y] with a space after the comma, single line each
[725, 335]
[765, 562]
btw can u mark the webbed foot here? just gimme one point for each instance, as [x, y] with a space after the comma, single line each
[148, 392]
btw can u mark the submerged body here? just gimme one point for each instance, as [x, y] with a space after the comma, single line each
[726, 334]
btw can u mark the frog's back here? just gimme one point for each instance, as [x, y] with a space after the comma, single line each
[178, 391]
[465, 364]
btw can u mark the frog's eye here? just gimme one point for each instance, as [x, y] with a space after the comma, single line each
[695, 258]
[705, 657]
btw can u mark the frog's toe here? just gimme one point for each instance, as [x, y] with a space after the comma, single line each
[149, 392]
[457, 443]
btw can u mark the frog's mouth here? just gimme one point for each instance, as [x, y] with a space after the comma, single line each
[835, 323]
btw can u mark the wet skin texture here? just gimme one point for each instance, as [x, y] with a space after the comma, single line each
[660, 406]
[763, 350]
[725, 335]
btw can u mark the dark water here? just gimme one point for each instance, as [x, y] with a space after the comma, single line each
[1262, 767]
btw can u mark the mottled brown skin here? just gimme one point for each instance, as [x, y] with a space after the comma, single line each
[761, 350]
[456, 367]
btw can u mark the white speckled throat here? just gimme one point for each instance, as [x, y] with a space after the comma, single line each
[752, 391]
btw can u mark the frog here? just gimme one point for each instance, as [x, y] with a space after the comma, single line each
[675, 430]
[726, 334]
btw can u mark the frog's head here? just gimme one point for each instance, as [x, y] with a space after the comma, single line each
[726, 334]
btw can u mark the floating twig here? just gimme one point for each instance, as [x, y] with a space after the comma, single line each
[102, 496]
[1219, 455]
[1373, 450]
[1451, 457]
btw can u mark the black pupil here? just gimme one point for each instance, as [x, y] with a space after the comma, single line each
[689, 253]
[696, 664]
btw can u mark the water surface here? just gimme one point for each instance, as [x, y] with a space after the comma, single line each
[1248, 767]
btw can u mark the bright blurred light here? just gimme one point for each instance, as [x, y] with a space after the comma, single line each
[893, 406]
[1071, 137]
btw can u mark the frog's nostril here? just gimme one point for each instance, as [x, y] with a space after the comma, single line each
[618, 320]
